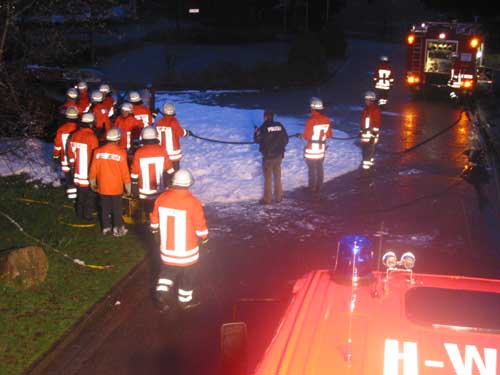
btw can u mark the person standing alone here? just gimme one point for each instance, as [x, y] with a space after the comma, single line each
[179, 219]
[318, 128]
[272, 139]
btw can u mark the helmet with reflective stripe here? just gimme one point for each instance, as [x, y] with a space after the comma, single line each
[82, 85]
[113, 134]
[168, 109]
[370, 95]
[97, 96]
[88, 118]
[127, 107]
[384, 58]
[105, 89]
[183, 178]
[72, 93]
[149, 133]
[316, 104]
[134, 97]
[72, 113]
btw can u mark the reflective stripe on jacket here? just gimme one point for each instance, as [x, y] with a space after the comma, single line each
[179, 216]
[318, 128]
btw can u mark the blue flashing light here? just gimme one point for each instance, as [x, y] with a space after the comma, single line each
[354, 250]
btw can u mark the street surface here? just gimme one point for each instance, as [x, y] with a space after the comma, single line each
[257, 252]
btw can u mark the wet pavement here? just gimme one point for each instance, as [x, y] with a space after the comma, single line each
[255, 253]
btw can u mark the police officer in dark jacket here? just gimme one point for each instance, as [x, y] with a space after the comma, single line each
[272, 139]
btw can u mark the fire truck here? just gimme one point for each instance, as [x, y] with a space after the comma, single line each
[353, 319]
[446, 55]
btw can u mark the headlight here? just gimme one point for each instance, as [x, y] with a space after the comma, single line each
[408, 260]
[390, 260]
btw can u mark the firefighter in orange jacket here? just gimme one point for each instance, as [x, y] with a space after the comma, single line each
[141, 112]
[318, 128]
[370, 128]
[109, 101]
[130, 127]
[109, 175]
[170, 131]
[83, 93]
[151, 169]
[179, 218]
[61, 145]
[82, 143]
[383, 80]
[100, 111]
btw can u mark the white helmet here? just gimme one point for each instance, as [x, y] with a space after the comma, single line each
[97, 96]
[82, 85]
[105, 89]
[182, 178]
[72, 93]
[127, 107]
[316, 104]
[113, 134]
[370, 95]
[149, 133]
[88, 118]
[168, 109]
[134, 97]
[384, 58]
[72, 113]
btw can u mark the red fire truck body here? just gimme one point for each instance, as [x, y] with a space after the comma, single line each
[397, 323]
[437, 50]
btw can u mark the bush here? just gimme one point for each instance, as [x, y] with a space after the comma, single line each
[307, 58]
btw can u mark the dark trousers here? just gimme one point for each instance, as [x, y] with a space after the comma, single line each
[315, 174]
[176, 284]
[271, 169]
[176, 164]
[111, 211]
[85, 203]
[368, 152]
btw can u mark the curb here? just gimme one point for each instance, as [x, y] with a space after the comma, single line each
[98, 310]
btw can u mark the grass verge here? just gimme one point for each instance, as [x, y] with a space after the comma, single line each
[32, 320]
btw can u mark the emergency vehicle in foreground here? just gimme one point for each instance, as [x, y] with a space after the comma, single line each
[352, 320]
[446, 54]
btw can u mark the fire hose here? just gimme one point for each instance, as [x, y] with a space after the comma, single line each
[76, 261]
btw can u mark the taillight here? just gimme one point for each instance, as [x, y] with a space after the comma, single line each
[474, 42]
[467, 84]
[412, 79]
[410, 39]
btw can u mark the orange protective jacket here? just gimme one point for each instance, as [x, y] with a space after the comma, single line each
[170, 131]
[131, 130]
[370, 123]
[83, 142]
[143, 113]
[110, 169]
[149, 164]
[179, 216]
[318, 128]
[109, 104]
[61, 143]
[102, 121]
[84, 100]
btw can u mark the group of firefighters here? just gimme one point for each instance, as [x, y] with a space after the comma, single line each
[109, 152]
[112, 150]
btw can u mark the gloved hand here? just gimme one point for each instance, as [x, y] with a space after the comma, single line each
[93, 185]
[56, 157]
[188, 132]
[128, 189]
